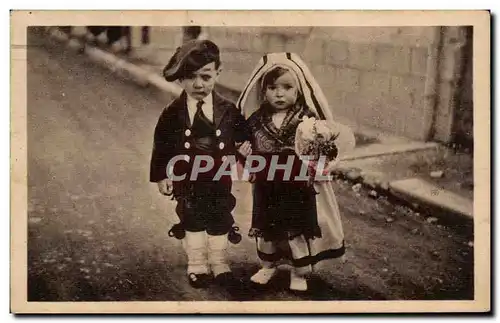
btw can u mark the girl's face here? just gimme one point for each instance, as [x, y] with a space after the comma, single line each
[282, 94]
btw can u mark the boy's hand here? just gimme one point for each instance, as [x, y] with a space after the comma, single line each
[245, 149]
[165, 187]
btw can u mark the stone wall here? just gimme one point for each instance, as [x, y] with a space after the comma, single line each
[374, 76]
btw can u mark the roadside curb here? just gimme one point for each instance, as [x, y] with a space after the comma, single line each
[421, 191]
[373, 182]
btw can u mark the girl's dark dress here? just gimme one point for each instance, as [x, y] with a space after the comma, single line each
[283, 207]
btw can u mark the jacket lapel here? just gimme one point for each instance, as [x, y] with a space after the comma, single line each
[220, 108]
[181, 106]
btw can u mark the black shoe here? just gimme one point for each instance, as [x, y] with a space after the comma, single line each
[199, 280]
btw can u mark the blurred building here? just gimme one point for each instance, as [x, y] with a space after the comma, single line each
[415, 82]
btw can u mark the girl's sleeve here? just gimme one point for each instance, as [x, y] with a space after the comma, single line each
[346, 141]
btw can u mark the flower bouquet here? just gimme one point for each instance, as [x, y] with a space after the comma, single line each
[315, 144]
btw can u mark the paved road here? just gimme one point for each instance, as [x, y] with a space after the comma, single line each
[97, 228]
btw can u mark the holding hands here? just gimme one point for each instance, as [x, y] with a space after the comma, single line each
[245, 149]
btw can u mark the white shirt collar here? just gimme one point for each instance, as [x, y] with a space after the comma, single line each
[206, 100]
[207, 107]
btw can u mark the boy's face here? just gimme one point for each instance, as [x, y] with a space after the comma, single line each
[282, 94]
[201, 82]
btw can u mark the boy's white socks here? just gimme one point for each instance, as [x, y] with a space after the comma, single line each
[195, 245]
[297, 282]
[217, 247]
[264, 275]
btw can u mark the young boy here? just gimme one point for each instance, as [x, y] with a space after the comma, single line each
[200, 123]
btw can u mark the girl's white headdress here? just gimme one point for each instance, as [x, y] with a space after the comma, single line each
[248, 101]
[327, 207]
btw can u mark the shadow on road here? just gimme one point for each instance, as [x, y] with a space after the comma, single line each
[278, 288]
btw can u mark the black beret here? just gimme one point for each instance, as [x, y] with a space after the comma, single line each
[190, 57]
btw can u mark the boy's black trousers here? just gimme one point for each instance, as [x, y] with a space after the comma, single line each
[204, 204]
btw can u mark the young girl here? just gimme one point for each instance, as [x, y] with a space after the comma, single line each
[291, 220]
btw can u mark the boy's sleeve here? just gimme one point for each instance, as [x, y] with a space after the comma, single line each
[163, 147]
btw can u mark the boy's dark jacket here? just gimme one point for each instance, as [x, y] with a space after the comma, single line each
[169, 134]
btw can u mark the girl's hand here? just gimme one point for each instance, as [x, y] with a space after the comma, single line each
[245, 149]
[252, 178]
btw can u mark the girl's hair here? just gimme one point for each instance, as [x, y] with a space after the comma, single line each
[270, 77]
